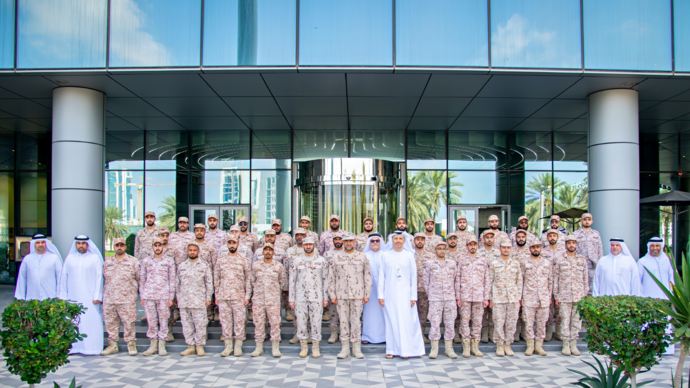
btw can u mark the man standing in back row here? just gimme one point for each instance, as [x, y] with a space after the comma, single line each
[432, 239]
[326, 239]
[589, 245]
[144, 237]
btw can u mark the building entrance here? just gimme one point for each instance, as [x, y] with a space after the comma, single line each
[227, 215]
[478, 217]
[352, 188]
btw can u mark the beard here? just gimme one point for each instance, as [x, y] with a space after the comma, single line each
[493, 227]
[150, 223]
[402, 228]
[462, 228]
[520, 244]
[335, 227]
[368, 230]
[243, 229]
[338, 245]
[232, 250]
[537, 255]
[193, 257]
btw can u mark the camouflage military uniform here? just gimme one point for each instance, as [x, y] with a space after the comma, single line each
[361, 241]
[194, 289]
[545, 241]
[334, 322]
[120, 296]
[431, 242]
[267, 281]
[349, 281]
[209, 254]
[143, 240]
[570, 284]
[308, 290]
[490, 256]
[521, 254]
[463, 238]
[157, 280]
[232, 283]
[439, 282]
[280, 256]
[506, 290]
[217, 237]
[472, 288]
[530, 237]
[326, 240]
[180, 240]
[421, 256]
[536, 295]
[283, 241]
[552, 256]
[499, 236]
[249, 240]
[589, 245]
[242, 250]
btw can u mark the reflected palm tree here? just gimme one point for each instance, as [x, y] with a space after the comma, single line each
[426, 191]
[113, 229]
[168, 218]
[571, 196]
[539, 199]
[418, 200]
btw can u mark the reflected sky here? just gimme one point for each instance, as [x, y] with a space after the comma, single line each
[681, 15]
[627, 34]
[535, 33]
[6, 34]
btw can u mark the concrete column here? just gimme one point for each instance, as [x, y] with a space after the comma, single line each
[77, 166]
[614, 167]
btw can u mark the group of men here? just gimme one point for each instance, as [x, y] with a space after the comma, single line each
[476, 288]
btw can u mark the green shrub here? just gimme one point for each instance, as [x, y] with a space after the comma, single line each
[73, 384]
[630, 330]
[38, 335]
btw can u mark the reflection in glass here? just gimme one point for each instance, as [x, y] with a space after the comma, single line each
[7, 267]
[684, 152]
[62, 34]
[541, 33]
[531, 193]
[571, 191]
[347, 33]
[530, 150]
[33, 206]
[319, 144]
[570, 151]
[428, 32]
[33, 151]
[271, 198]
[217, 187]
[478, 187]
[477, 150]
[627, 34]
[166, 195]
[426, 149]
[166, 150]
[388, 209]
[470, 215]
[124, 203]
[249, 32]
[155, 33]
[7, 151]
[124, 150]
[220, 149]
[379, 144]
[271, 149]
[6, 34]
[427, 198]
[359, 203]
[681, 37]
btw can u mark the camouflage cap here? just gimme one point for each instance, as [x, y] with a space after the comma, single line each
[337, 235]
[270, 232]
[521, 231]
[300, 231]
[556, 217]
[232, 237]
[183, 219]
[199, 226]
[587, 215]
[277, 221]
[267, 245]
[119, 240]
[234, 227]
[149, 213]
[506, 243]
[493, 217]
[308, 240]
[212, 215]
[367, 218]
[488, 231]
[523, 218]
[305, 218]
[441, 243]
[552, 231]
[400, 218]
[163, 231]
[571, 237]
[429, 220]
[452, 235]
[243, 219]
[349, 237]
[461, 217]
[337, 217]
[192, 243]
[420, 235]
[534, 242]
[472, 238]
[157, 240]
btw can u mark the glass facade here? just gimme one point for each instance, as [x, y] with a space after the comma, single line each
[6, 34]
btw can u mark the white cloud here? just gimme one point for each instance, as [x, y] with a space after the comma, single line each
[130, 44]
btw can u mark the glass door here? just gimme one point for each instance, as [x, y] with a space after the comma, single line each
[478, 217]
[470, 212]
[227, 214]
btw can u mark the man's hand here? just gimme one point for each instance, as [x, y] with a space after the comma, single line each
[334, 300]
[520, 303]
[459, 303]
[486, 303]
[558, 304]
[412, 302]
[246, 302]
[325, 303]
[365, 300]
[208, 303]
[170, 303]
[292, 305]
[142, 303]
[96, 302]
[381, 302]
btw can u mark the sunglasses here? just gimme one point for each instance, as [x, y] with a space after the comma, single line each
[243, 223]
[375, 241]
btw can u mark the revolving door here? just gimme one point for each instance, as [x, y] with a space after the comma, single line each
[352, 188]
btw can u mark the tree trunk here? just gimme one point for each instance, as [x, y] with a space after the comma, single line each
[633, 380]
[678, 378]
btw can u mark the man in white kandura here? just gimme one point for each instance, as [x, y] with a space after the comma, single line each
[40, 271]
[81, 281]
[617, 273]
[372, 314]
[397, 293]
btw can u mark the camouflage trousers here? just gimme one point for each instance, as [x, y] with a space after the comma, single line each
[233, 315]
[505, 320]
[157, 315]
[445, 312]
[333, 312]
[422, 308]
[194, 322]
[488, 319]
[554, 316]
[471, 311]
[171, 318]
[350, 313]
[529, 315]
[260, 312]
[114, 313]
[570, 322]
[308, 319]
[284, 297]
[210, 310]
[591, 278]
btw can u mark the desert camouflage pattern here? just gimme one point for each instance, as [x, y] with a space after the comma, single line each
[121, 280]
[194, 285]
[143, 240]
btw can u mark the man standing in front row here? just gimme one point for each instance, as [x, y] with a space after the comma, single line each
[349, 286]
[617, 273]
[570, 283]
[268, 278]
[194, 291]
[421, 256]
[472, 288]
[506, 290]
[439, 282]
[40, 271]
[537, 274]
[157, 280]
[589, 245]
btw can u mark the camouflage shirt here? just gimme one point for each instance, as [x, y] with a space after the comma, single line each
[520, 253]
[463, 238]
[311, 234]
[537, 276]
[178, 239]
[232, 278]
[308, 279]
[489, 255]
[143, 242]
[590, 246]
[421, 256]
[326, 240]
[217, 237]
[439, 279]
[290, 256]
[570, 278]
[157, 278]
[499, 236]
[506, 281]
[279, 255]
[552, 255]
[121, 284]
[530, 237]
[249, 240]
[472, 282]
[267, 282]
[430, 244]
[361, 241]
[561, 240]
[283, 241]
[194, 284]
[349, 276]
[208, 252]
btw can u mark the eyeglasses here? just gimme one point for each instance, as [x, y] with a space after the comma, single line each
[243, 223]
[375, 241]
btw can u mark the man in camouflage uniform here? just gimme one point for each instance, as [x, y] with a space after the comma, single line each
[332, 311]
[421, 256]
[523, 224]
[555, 223]
[144, 237]
[194, 291]
[168, 250]
[279, 255]
[349, 286]
[290, 255]
[439, 282]
[215, 235]
[506, 290]
[454, 253]
[244, 250]
[537, 273]
[247, 238]
[463, 235]
[209, 254]
[232, 283]
[570, 284]
[157, 281]
[361, 241]
[472, 291]
[589, 245]
[120, 289]
[499, 235]
[326, 239]
[551, 253]
[182, 237]
[282, 240]
[489, 249]
[309, 295]
[520, 252]
[305, 223]
[432, 239]
[267, 278]
[171, 252]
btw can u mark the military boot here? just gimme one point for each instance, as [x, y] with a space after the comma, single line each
[216, 316]
[573, 348]
[276, 349]
[294, 339]
[305, 349]
[466, 348]
[288, 315]
[450, 352]
[228, 348]
[485, 334]
[326, 315]
[176, 315]
[111, 349]
[152, 349]
[357, 349]
[238, 348]
[334, 335]
[499, 349]
[549, 333]
[538, 348]
[161, 348]
[345, 352]
[315, 353]
[171, 338]
[557, 335]
[250, 316]
[132, 348]
[566, 348]
[259, 349]
[530, 347]
[457, 338]
[507, 350]
[191, 349]
[426, 340]
[517, 334]
[143, 319]
[200, 352]
[434, 349]
[475, 348]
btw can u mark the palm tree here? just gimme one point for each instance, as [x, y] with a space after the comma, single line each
[570, 196]
[168, 218]
[539, 197]
[435, 184]
[113, 229]
[418, 200]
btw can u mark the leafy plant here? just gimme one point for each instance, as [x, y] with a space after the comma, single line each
[113, 228]
[37, 336]
[605, 377]
[130, 244]
[630, 330]
[73, 384]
